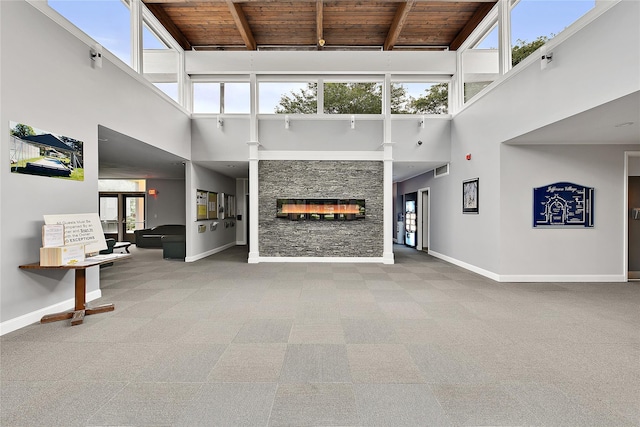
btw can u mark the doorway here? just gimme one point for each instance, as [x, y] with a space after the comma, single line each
[410, 220]
[632, 205]
[121, 214]
[634, 227]
[424, 210]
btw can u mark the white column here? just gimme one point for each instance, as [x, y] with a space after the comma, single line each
[387, 253]
[253, 203]
[387, 219]
[253, 172]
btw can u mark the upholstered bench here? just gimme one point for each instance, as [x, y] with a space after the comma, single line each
[174, 247]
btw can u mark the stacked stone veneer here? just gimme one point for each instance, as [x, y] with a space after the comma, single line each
[298, 179]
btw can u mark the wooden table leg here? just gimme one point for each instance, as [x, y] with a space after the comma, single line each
[81, 309]
[77, 318]
[81, 288]
[99, 309]
[54, 317]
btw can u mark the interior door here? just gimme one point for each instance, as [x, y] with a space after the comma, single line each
[425, 221]
[634, 228]
[133, 214]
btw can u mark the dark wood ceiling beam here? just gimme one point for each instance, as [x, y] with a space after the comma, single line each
[319, 23]
[242, 24]
[303, 1]
[398, 22]
[471, 25]
[168, 24]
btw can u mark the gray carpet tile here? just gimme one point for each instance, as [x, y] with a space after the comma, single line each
[329, 404]
[219, 342]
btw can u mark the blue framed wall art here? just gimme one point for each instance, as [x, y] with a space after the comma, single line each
[563, 205]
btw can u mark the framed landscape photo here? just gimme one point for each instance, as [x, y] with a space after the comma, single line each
[470, 193]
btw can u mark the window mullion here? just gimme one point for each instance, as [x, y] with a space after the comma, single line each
[504, 36]
[136, 36]
[320, 97]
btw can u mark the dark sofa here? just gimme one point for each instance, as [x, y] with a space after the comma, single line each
[152, 237]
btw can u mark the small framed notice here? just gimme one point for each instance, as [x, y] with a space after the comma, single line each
[52, 235]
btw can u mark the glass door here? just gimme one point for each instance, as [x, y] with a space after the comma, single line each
[134, 219]
[109, 215]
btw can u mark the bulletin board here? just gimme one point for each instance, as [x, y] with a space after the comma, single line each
[213, 205]
[202, 197]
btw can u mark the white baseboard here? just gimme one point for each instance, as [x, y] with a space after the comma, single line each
[532, 278]
[378, 260]
[35, 316]
[567, 278]
[209, 252]
[481, 271]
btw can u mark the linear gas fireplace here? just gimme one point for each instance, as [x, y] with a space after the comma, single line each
[321, 209]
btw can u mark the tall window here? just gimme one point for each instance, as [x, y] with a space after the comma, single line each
[206, 97]
[352, 98]
[534, 22]
[221, 98]
[160, 62]
[108, 22]
[237, 98]
[419, 98]
[287, 97]
[481, 63]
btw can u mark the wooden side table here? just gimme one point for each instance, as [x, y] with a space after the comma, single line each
[80, 310]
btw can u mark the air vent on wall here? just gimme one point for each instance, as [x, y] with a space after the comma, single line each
[441, 171]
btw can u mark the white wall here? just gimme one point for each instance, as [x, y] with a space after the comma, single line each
[47, 82]
[200, 245]
[227, 143]
[334, 134]
[168, 207]
[562, 254]
[435, 137]
[598, 64]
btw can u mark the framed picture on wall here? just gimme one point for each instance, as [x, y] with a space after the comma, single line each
[470, 193]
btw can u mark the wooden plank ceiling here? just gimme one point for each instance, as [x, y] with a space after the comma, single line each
[319, 24]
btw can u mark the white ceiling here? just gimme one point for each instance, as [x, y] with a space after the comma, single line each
[123, 157]
[600, 125]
